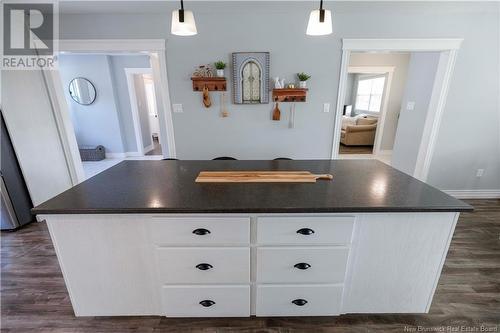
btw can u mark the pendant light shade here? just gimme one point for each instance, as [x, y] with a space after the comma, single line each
[183, 23]
[320, 22]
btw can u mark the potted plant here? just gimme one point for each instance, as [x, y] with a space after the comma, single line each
[303, 77]
[220, 65]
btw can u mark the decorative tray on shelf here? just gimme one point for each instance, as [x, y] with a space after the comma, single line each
[212, 83]
[289, 94]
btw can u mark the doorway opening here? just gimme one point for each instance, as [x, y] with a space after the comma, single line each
[110, 105]
[368, 92]
[141, 91]
[390, 101]
[154, 51]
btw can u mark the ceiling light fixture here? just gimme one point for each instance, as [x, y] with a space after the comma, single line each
[183, 23]
[320, 22]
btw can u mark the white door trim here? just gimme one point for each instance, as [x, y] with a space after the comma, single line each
[155, 48]
[129, 73]
[64, 126]
[402, 44]
[389, 70]
[448, 49]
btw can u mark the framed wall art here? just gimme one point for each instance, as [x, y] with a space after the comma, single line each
[251, 77]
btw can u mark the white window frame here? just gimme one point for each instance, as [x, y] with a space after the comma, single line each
[366, 78]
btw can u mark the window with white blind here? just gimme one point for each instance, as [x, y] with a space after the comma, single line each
[369, 94]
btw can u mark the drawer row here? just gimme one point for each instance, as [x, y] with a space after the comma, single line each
[232, 265]
[236, 230]
[234, 300]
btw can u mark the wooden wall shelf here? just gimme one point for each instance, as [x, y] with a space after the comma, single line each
[290, 95]
[212, 83]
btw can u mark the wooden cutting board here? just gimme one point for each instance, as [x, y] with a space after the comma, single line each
[259, 177]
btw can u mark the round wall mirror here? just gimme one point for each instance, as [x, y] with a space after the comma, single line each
[82, 91]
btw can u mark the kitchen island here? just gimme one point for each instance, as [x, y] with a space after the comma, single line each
[142, 238]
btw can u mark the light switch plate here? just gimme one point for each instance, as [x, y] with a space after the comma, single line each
[177, 108]
[410, 106]
[326, 107]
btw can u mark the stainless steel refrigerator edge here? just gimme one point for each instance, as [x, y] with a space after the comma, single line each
[15, 199]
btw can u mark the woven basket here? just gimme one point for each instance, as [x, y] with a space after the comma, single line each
[92, 153]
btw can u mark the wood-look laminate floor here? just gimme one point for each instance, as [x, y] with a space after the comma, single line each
[34, 297]
[156, 148]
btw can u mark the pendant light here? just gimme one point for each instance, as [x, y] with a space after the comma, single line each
[183, 23]
[320, 22]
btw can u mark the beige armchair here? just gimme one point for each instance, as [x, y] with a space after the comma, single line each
[362, 133]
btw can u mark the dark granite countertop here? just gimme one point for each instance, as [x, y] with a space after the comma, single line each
[169, 187]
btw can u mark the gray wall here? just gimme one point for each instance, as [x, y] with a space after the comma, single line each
[469, 134]
[349, 92]
[422, 70]
[400, 63]
[97, 123]
[118, 65]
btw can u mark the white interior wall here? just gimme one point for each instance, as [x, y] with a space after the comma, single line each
[422, 70]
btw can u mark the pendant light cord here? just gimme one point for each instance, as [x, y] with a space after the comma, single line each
[321, 12]
[181, 12]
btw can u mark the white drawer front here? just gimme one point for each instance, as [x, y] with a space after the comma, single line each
[301, 264]
[215, 265]
[184, 301]
[321, 300]
[294, 230]
[200, 231]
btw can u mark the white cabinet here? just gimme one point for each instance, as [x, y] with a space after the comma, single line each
[251, 264]
[297, 230]
[301, 264]
[199, 230]
[206, 301]
[204, 265]
[298, 300]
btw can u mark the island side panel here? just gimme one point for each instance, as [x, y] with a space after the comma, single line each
[397, 261]
[106, 262]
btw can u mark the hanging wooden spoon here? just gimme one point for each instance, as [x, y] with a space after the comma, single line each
[276, 112]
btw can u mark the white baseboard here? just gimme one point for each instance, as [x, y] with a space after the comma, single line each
[123, 155]
[133, 154]
[385, 152]
[116, 155]
[474, 194]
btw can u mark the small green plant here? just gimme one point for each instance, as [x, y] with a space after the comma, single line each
[303, 76]
[220, 64]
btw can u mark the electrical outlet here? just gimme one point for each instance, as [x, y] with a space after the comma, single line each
[177, 108]
[326, 107]
[479, 173]
[410, 106]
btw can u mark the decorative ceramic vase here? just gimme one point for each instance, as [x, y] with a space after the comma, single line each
[277, 84]
[220, 73]
[303, 84]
